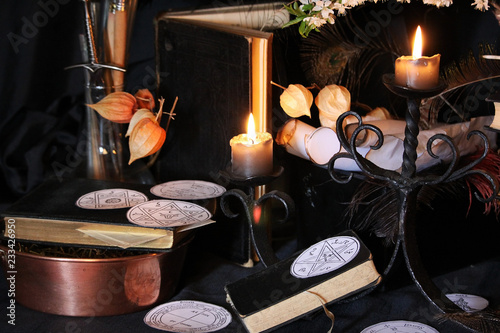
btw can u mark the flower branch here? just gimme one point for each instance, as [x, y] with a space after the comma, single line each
[312, 14]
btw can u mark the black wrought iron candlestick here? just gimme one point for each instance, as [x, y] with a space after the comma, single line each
[259, 232]
[407, 184]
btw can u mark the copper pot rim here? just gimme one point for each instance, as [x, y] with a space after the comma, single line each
[127, 258]
[85, 260]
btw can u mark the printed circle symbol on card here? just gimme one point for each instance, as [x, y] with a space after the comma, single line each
[111, 199]
[188, 317]
[468, 303]
[399, 326]
[325, 256]
[188, 190]
[167, 213]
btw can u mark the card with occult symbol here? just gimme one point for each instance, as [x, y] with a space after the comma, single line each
[399, 326]
[167, 213]
[188, 190]
[468, 303]
[325, 256]
[111, 199]
[188, 317]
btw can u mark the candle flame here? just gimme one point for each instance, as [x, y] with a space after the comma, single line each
[417, 44]
[251, 127]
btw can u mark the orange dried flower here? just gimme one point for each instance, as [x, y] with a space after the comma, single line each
[145, 99]
[117, 106]
[146, 135]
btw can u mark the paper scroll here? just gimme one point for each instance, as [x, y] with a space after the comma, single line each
[319, 145]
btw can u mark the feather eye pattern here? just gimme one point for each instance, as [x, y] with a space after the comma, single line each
[346, 54]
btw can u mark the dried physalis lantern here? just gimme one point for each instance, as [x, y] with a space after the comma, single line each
[146, 139]
[332, 101]
[117, 107]
[139, 115]
[146, 135]
[144, 99]
[296, 101]
[379, 113]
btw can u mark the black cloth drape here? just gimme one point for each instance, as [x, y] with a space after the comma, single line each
[41, 103]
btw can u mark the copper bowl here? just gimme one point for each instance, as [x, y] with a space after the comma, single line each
[95, 287]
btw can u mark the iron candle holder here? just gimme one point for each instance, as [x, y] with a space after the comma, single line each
[407, 184]
[259, 232]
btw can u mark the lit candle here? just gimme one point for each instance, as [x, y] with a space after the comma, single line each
[416, 71]
[252, 153]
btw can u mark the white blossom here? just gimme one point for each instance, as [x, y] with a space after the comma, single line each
[481, 4]
[315, 21]
[324, 8]
[324, 11]
[438, 3]
[352, 3]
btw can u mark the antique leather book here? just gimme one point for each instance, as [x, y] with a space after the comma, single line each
[220, 70]
[274, 296]
[219, 73]
[49, 215]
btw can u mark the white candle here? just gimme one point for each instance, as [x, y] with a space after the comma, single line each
[417, 71]
[252, 153]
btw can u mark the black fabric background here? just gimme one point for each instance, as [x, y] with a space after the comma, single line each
[40, 121]
[41, 103]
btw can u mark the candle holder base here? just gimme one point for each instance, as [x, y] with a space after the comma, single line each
[253, 210]
[407, 92]
[253, 180]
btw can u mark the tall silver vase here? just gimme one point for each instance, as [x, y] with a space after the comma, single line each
[105, 46]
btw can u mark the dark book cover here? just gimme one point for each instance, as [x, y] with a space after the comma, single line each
[275, 283]
[208, 67]
[49, 214]
[56, 199]
[209, 71]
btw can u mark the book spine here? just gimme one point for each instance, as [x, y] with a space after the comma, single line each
[355, 280]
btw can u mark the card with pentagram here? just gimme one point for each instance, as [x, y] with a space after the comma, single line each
[325, 256]
[167, 213]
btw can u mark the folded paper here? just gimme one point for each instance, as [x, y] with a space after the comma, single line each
[120, 239]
